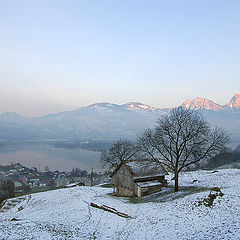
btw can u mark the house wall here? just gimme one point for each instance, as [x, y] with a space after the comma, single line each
[150, 190]
[124, 192]
[123, 182]
[126, 186]
[137, 190]
[143, 191]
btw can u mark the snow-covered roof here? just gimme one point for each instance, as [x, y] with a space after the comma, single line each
[148, 183]
[143, 168]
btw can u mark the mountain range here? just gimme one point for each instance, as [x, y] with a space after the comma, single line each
[112, 121]
[206, 104]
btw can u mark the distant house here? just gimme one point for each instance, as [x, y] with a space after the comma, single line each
[34, 182]
[62, 182]
[138, 178]
[42, 184]
[18, 184]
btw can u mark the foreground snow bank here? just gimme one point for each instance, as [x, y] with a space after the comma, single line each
[66, 214]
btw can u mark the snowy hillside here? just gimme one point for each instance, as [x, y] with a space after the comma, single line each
[66, 213]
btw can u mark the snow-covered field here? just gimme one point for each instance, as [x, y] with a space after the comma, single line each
[66, 213]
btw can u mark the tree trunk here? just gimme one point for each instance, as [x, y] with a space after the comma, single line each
[176, 182]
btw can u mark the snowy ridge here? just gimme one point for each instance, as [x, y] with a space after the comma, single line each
[104, 105]
[139, 106]
[132, 106]
[66, 213]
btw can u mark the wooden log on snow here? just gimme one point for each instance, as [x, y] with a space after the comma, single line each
[110, 209]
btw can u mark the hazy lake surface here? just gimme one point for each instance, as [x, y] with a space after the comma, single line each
[38, 154]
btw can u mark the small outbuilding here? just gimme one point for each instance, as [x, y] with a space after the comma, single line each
[138, 178]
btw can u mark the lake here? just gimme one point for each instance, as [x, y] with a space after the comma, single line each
[42, 155]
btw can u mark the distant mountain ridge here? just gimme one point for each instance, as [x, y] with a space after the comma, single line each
[112, 121]
[202, 103]
[199, 103]
[234, 102]
[96, 121]
[206, 104]
[135, 106]
[226, 116]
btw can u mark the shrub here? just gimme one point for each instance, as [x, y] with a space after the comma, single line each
[7, 189]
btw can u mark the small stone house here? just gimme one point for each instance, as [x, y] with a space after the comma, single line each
[138, 178]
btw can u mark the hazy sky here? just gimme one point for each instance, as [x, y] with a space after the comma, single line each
[61, 55]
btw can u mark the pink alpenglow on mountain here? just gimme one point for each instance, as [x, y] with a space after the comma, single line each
[234, 102]
[201, 103]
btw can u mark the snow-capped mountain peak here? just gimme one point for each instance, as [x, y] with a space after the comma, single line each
[132, 106]
[234, 102]
[138, 106]
[201, 103]
[101, 105]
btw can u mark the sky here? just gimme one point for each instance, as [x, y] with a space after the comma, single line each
[61, 55]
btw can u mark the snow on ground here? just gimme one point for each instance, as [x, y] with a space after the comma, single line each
[66, 213]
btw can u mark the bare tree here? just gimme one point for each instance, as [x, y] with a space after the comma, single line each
[182, 139]
[120, 151]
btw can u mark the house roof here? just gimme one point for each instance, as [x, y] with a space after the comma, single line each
[143, 168]
[149, 184]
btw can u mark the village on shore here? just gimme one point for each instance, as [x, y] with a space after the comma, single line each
[27, 180]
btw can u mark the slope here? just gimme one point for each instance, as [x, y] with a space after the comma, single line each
[66, 214]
